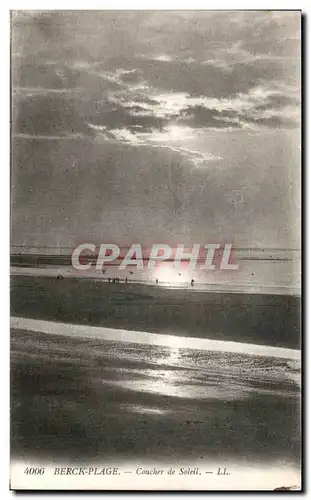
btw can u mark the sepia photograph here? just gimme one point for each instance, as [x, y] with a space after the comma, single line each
[155, 250]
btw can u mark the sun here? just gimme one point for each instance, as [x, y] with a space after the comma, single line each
[168, 275]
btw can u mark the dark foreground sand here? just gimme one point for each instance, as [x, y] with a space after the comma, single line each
[259, 319]
[78, 399]
[84, 399]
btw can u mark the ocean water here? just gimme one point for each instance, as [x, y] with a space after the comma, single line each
[259, 274]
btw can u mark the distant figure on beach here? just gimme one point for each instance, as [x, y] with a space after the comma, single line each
[126, 280]
[192, 282]
[157, 281]
[109, 279]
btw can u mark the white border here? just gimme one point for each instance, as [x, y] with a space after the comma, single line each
[4, 170]
[154, 5]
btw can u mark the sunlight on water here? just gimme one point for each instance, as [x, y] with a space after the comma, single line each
[181, 389]
[190, 374]
[142, 409]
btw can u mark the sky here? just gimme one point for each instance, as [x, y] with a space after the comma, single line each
[156, 127]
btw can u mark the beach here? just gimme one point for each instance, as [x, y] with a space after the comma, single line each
[80, 400]
[149, 371]
[266, 319]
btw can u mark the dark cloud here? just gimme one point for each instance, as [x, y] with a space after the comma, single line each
[279, 101]
[121, 117]
[200, 116]
[161, 78]
[273, 122]
[133, 77]
[212, 54]
[57, 115]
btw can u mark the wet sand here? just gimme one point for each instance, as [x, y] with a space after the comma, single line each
[83, 399]
[80, 398]
[272, 320]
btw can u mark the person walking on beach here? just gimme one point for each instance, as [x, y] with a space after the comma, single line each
[192, 282]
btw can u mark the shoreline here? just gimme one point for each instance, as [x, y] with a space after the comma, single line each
[199, 287]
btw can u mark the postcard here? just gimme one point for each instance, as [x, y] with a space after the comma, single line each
[155, 250]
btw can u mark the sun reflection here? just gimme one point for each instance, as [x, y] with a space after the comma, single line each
[171, 375]
[173, 355]
[143, 409]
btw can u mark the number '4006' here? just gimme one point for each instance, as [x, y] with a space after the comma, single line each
[34, 471]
